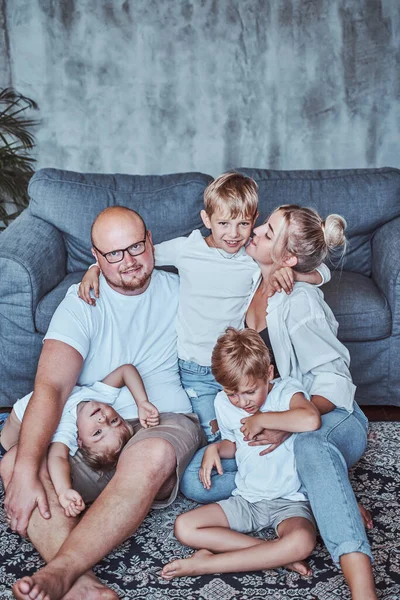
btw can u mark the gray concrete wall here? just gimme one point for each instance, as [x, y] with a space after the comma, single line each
[151, 86]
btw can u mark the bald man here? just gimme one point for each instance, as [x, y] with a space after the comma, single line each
[133, 322]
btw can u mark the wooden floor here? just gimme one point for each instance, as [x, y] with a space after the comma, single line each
[382, 413]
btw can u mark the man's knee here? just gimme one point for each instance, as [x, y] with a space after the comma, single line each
[155, 454]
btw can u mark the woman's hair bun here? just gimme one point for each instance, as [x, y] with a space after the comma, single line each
[334, 227]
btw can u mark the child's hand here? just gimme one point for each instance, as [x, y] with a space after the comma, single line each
[211, 460]
[251, 426]
[282, 279]
[71, 502]
[148, 415]
[89, 282]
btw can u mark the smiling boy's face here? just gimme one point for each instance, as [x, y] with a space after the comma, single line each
[100, 427]
[251, 394]
[227, 233]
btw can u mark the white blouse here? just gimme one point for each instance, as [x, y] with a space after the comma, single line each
[303, 330]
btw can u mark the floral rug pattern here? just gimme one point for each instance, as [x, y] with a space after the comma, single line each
[132, 570]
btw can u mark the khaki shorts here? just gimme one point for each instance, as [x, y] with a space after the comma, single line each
[245, 516]
[183, 432]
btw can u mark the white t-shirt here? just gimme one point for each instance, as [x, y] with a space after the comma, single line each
[214, 291]
[67, 432]
[262, 477]
[140, 330]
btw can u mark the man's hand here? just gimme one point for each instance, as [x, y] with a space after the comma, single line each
[72, 502]
[251, 427]
[24, 493]
[211, 460]
[148, 415]
[269, 436]
[282, 279]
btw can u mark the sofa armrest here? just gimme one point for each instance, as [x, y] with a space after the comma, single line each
[32, 261]
[386, 267]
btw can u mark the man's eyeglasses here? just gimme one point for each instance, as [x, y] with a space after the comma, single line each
[117, 255]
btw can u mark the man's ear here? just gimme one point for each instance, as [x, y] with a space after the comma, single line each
[290, 261]
[80, 443]
[94, 253]
[205, 218]
[149, 237]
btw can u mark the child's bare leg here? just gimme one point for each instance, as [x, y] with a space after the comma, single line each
[208, 527]
[357, 571]
[9, 435]
[240, 552]
[48, 535]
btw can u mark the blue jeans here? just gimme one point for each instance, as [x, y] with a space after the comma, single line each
[323, 458]
[201, 387]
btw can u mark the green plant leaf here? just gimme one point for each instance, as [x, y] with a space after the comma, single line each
[16, 141]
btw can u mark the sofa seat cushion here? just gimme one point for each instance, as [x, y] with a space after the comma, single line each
[361, 309]
[49, 303]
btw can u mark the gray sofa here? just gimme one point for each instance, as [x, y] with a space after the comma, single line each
[47, 249]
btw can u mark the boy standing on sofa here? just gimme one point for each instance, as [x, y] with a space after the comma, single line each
[268, 490]
[216, 280]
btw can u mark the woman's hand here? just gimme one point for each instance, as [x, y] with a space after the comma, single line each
[148, 415]
[282, 279]
[251, 427]
[90, 282]
[211, 460]
[269, 436]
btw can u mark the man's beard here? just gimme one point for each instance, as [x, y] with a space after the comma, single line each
[132, 285]
[136, 284]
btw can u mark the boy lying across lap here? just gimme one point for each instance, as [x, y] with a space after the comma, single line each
[91, 422]
[216, 281]
[267, 490]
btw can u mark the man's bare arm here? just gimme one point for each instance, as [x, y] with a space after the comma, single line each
[58, 369]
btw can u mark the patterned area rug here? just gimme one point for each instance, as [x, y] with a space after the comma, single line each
[132, 570]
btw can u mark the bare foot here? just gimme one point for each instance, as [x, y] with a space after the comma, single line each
[88, 587]
[46, 584]
[300, 566]
[366, 516]
[27, 589]
[194, 565]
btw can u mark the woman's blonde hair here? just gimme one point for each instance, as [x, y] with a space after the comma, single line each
[305, 235]
[239, 356]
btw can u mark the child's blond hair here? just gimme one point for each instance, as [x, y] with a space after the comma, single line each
[307, 236]
[239, 356]
[232, 194]
[106, 460]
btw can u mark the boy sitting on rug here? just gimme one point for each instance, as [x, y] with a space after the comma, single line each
[91, 422]
[267, 490]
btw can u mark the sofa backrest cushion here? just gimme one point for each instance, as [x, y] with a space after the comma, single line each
[366, 198]
[169, 204]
